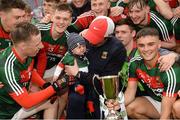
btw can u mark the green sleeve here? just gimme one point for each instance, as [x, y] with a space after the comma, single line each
[171, 81]
[68, 59]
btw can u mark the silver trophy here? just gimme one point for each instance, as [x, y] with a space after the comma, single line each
[110, 86]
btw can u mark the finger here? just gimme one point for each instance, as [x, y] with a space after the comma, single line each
[117, 107]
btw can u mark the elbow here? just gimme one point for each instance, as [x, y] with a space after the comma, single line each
[26, 105]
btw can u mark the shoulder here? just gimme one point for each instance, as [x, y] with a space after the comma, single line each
[136, 59]
[159, 19]
[173, 73]
[112, 40]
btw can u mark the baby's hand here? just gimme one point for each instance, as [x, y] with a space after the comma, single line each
[55, 78]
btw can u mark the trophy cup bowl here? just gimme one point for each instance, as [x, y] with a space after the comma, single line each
[110, 86]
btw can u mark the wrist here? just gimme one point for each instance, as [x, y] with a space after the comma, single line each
[177, 57]
[47, 84]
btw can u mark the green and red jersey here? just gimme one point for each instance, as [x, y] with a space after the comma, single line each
[5, 40]
[156, 83]
[83, 21]
[16, 75]
[176, 26]
[53, 50]
[163, 25]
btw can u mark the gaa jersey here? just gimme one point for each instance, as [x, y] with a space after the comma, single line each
[15, 74]
[53, 50]
[83, 21]
[176, 25]
[4, 38]
[82, 62]
[164, 26]
[156, 83]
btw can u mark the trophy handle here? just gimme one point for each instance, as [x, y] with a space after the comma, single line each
[95, 76]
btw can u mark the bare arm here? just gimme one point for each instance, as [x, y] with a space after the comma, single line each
[176, 12]
[130, 92]
[166, 61]
[171, 44]
[164, 9]
[166, 107]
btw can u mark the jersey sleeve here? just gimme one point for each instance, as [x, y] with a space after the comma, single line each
[82, 22]
[164, 26]
[171, 81]
[68, 59]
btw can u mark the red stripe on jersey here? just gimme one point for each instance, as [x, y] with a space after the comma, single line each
[132, 79]
[61, 65]
[173, 95]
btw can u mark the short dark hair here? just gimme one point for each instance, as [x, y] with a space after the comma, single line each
[64, 7]
[147, 31]
[141, 3]
[23, 32]
[6, 5]
[126, 21]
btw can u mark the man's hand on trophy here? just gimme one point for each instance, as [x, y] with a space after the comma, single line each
[112, 104]
[60, 84]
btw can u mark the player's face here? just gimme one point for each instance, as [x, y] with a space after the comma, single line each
[137, 14]
[124, 34]
[78, 3]
[11, 18]
[148, 47]
[34, 45]
[61, 20]
[80, 50]
[48, 7]
[100, 7]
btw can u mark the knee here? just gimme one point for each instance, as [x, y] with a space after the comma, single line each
[176, 109]
[130, 110]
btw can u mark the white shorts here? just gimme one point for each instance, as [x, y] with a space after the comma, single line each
[156, 104]
[50, 72]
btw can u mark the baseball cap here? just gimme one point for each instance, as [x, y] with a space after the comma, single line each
[99, 28]
[74, 40]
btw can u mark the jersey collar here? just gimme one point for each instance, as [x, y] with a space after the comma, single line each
[18, 56]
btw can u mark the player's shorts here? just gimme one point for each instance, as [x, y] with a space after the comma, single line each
[156, 104]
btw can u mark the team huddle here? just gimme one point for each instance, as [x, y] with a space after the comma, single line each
[55, 59]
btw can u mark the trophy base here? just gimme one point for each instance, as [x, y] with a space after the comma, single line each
[112, 116]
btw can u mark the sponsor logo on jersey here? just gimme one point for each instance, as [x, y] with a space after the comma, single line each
[104, 55]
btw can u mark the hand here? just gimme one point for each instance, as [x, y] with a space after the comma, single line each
[176, 12]
[55, 78]
[112, 104]
[117, 10]
[179, 93]
[166, 61]
[1, 85]
[82, 33]
[46, 19]
[59, 84]
[72, 70]
[88, 13]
